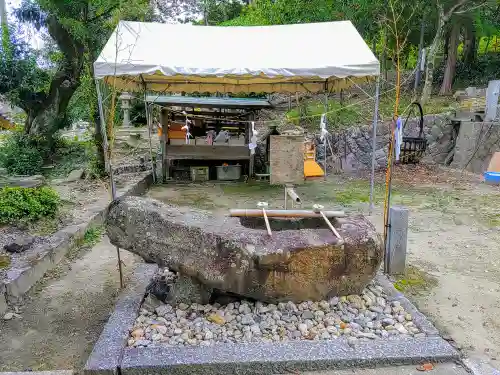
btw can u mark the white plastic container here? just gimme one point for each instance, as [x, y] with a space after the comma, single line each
[228, 172]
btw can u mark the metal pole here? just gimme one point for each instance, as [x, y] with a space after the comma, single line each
[374, 144]
[286, 196]
[148, 121]
[108, 165]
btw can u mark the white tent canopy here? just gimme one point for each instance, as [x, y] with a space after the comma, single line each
[285, 58]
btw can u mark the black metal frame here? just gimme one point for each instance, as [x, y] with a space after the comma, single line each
[413, 148]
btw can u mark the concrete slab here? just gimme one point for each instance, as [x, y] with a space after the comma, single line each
[282, 358]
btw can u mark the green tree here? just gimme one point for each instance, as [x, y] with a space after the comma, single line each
[80, 29]
[22, 81]
[446, 10]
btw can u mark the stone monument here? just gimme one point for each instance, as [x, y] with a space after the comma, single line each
[125, 97]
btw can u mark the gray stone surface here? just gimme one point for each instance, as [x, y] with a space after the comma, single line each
[20, 244]
[480, 366]
[398, 238]
[439, 369]
[24, 181]
[285, 357]
[107, 352]
[476, 143]
[3, 300]
[221, 253]
[188, 290]
[54, 372]
[75, 175]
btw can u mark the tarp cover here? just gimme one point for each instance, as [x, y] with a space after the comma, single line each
[283, 58]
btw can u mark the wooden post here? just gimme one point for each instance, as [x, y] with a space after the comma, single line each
[164, 140]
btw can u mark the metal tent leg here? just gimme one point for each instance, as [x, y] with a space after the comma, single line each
[374, 145]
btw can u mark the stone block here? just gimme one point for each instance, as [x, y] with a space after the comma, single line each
[24, 181]
[75, 175]
[308, 263]
[398, 238]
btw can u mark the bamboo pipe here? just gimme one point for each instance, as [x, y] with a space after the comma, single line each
[292, 194]
[268, 227]
[332, 228]
[284, 213]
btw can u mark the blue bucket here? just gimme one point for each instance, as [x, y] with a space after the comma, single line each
[492, 177]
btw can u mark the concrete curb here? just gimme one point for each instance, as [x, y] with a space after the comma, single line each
[260, 358]
[283, 358]
[107, 353]
[20, 280]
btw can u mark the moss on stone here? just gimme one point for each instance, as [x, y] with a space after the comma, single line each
[415, 281]
[4, 261]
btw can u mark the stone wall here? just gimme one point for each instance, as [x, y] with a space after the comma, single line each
[476, 143]
[353, 146]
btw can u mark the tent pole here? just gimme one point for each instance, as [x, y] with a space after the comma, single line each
[374, 144]
[108, 166]
[164, 118]
[148, 121]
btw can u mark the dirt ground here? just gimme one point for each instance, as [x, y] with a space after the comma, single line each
[66, 313]
[453, 254]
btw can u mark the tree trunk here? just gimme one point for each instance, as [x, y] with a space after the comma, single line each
[100, 164]
[470, 45]
[451, 60]
[51, 116]
[431, 59]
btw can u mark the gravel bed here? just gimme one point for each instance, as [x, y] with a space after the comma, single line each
[369, 316]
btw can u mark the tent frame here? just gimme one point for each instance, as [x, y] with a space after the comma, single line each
[144, 85]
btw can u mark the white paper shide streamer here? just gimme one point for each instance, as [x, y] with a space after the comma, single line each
[186, 128]
[253, 141]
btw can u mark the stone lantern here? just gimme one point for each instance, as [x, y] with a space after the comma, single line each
[125, 97]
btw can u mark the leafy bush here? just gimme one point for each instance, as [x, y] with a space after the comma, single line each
[22, 154]
[19, 204]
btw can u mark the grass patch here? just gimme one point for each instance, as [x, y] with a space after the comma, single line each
[415, 281]
[92, 236]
